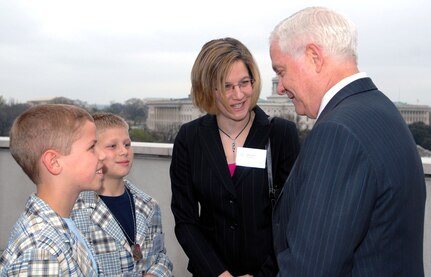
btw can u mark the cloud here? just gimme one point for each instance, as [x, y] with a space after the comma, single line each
[103, 51]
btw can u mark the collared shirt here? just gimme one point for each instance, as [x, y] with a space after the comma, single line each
[73, 229]
[337, 87]
[41, 244]
[113, 252]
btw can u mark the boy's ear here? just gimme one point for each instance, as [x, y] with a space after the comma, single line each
[50, 161]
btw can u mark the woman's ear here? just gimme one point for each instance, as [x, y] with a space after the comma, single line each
[51, 162]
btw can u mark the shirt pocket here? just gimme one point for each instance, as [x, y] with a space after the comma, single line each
[102, 243]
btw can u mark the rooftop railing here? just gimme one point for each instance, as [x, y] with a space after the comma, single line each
[150, 172]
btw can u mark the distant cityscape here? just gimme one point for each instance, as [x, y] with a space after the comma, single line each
[167, 115]
[171, 113]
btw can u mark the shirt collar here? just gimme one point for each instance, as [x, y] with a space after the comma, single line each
[337, 87]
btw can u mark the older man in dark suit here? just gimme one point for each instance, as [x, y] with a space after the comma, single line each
[354, 202]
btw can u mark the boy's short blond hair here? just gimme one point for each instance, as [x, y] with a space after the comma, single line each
[43, 127]
[106, 120]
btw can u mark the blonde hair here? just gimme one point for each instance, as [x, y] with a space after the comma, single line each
[43, 127]
[106, 120]
[211, 67]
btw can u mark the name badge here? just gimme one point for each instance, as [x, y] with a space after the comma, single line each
[251, 157]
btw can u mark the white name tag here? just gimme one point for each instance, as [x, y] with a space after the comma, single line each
[251, 157]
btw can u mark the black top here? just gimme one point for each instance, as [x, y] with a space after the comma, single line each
[122, 212]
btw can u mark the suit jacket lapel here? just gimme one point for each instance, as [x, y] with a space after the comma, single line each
[357, 86]
[211, 145]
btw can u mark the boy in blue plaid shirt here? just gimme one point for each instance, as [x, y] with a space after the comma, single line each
[122, 223]
[55, 146]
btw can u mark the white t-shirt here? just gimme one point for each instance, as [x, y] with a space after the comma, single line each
[81, 239]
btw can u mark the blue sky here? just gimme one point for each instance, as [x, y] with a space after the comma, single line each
[110, 51]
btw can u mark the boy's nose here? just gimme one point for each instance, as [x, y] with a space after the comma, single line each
[102, 155]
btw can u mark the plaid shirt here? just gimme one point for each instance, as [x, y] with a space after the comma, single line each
[113, 252]
[41, 244]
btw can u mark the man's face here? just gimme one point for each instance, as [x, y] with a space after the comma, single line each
[295, 79]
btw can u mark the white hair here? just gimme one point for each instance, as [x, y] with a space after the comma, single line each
[334, 33]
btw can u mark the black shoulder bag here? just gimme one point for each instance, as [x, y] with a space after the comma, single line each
[272, 190]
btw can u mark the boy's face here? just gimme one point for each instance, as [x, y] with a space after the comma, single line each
[116, 145]
[84, 163]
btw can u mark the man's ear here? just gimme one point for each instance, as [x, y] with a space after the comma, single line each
[315, 56]
[50, 161]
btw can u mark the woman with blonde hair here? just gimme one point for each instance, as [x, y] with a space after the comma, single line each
[220, 200]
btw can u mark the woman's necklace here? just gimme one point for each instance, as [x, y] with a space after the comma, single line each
[234, 139]
[136, 248]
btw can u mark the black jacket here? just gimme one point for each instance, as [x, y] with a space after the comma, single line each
[223, 222]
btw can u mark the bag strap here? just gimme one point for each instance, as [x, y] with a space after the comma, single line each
[269, 167]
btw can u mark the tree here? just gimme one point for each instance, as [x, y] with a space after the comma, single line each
[140, 135]
[422, 134]
[167, 134]
[135, 111]
[8, 113]
[116, 108]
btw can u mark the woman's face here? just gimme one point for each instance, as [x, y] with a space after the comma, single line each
[238, 92]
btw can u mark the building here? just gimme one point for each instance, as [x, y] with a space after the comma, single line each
[165, 114]
[414, 113]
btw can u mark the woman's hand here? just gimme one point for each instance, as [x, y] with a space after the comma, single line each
[225, 274]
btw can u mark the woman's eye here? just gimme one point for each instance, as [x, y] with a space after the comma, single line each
[228, 87]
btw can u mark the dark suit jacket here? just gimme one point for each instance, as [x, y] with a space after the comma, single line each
[223, 222]
[354, 202]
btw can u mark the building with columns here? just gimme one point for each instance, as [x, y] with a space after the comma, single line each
[414, 113]
[166, 114]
